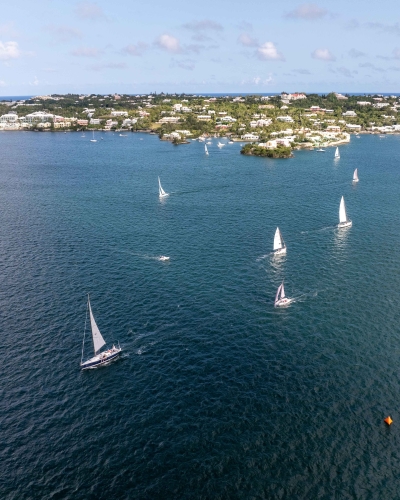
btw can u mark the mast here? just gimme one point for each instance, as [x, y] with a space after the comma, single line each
[84, 331]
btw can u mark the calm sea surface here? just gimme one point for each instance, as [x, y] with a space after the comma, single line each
[218, 395]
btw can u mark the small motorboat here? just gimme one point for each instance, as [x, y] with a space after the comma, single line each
[320, 150]
[163, 258]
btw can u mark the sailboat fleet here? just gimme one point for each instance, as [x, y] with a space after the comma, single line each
[279, 248]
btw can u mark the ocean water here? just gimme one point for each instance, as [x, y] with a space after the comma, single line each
[217, 395]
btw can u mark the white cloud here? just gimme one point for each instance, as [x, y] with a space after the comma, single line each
[35, 82]
[187, 64]
[89, 10]
[257, 80]
[8, 30]
[63, 33]
[9, 50]
[204, 25]
[323, 55]
[346, 72]
[356, 53]
[307, 11]
[86, 52]
[100, 67]
[247, 40]
[268, 51]
[169, 43]
[3, 83]
[135, 50]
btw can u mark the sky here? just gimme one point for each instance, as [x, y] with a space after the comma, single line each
[59, 46]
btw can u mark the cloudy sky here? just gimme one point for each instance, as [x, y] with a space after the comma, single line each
[49, 46]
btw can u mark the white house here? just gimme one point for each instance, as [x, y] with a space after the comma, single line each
[119, 113]
[250, 137]
[9, 117]
[349, 113]
[287, 119]
[169, 119]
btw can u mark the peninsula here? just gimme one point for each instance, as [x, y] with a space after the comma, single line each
[274, 125]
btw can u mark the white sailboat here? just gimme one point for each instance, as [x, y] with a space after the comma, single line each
[220, 145]
[161, 192]
[343, 221]
[355, 175]
[337, 154]
[205, 148]
[280, 298]
[93, 140]
[99, 358]
[279, 244]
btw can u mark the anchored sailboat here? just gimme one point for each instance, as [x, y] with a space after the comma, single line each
[220, 144]
[343, 221]
[161, 192]
[99, 358]
[280, 298]
[93, 140]
[205, 148]
[337, 154]
[279, 244]
[355, 175]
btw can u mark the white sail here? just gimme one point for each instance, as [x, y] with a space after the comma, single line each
[161, 191]
[98, 340]
[205, 148]
[337, 155]
[278, 240]
[282, 291]
[355, 175]
[342, 211]
[277, 298]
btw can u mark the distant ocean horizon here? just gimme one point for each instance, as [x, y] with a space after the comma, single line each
[210, 94]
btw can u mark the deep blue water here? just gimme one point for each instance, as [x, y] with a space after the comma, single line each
[218, 395]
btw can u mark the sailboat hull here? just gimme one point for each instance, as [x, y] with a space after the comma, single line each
[282, 302]
[104, 358]
[280, 251]
[347, 223]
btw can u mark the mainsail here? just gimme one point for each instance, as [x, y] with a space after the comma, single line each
[342, 211]
[337, 155]
[98, 340]
[278, 240]
[206, 150]
[355, 175]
